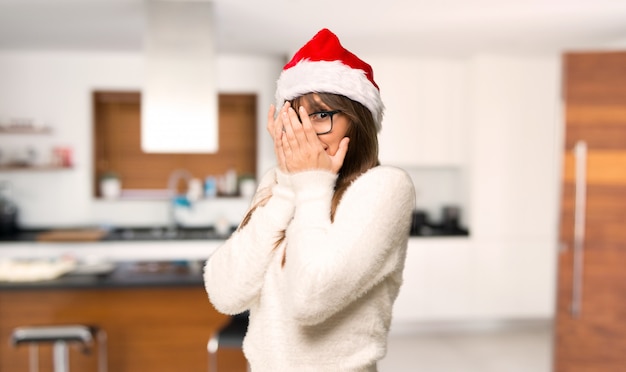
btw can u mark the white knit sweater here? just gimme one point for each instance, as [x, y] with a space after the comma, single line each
[329, 307]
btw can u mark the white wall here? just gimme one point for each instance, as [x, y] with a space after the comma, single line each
[56, 88]
[425, 127]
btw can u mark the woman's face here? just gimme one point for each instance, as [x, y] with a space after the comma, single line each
[340, 123]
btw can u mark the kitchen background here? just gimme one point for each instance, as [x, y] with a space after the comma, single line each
[482, 131]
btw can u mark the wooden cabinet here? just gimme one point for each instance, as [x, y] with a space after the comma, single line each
[117, 143]
[149, 329]
[590, 323]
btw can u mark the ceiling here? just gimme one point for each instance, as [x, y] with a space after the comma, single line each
[406, 27]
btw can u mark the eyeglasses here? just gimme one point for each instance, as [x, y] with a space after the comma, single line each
[322, 121]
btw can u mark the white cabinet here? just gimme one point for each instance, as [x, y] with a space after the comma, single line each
[437, 281]
[459, 280]
[515, 148]
[425, 110]
[512, 279]
[506, 270]
[514, 182]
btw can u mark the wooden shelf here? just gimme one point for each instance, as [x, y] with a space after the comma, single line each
[34, 168]
[25, 130]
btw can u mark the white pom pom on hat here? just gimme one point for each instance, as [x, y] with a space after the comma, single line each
[323, 65]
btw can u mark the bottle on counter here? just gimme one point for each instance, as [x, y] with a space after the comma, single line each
[227, 183]
[231, 181]
[194, 191]
[210, 187]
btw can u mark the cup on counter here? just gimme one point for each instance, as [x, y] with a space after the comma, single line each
[110, 186]
[247, 187]
[222, 226]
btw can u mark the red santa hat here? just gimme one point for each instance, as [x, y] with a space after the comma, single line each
[323, 65]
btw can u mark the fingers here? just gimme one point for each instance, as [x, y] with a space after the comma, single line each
[278, 148]
[275, 129]
[270, 120]
[274, 119]
[292, 126]
[299, 130]
[287, 153]
[289, 143]
[309, 131]
[340, 155]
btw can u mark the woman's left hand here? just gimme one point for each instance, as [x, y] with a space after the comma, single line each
[301, 147]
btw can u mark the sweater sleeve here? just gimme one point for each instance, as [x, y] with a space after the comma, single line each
[331, 264]
[233, 274]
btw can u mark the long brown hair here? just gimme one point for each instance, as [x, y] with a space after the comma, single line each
[362, 152]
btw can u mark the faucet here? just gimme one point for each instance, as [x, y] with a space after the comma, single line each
[172, 187]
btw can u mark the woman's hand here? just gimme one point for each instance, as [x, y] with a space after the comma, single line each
[275, 129]
[302, 149]
[296, 144]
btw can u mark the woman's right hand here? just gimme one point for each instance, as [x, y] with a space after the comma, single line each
[275, 129]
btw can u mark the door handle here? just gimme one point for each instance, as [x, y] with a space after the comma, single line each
[580, 155]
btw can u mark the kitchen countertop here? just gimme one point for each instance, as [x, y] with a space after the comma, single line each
[125, 254]
[124, 244]
[161, 233]
[141, 245]
[126, 234]
[130, 274]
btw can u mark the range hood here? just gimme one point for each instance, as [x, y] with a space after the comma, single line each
[179, 95]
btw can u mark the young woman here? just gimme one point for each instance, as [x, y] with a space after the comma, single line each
[318, 259]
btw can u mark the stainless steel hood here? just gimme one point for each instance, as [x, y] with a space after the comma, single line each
[179, 96]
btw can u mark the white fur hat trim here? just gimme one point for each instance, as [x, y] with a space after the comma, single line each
[329, 77]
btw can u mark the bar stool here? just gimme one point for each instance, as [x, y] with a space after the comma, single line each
[229, 336]
[60, 336]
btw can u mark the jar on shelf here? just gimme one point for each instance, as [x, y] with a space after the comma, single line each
[110, 185]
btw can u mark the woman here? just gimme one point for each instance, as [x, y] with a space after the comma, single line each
[318, 259]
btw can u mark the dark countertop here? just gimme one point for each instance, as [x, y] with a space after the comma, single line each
[124, 275]
[157, 233]
[204, 233]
